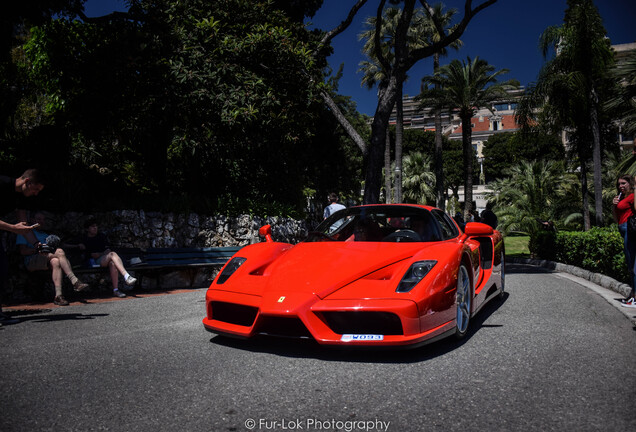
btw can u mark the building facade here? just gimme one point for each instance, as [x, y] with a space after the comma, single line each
[485, 123]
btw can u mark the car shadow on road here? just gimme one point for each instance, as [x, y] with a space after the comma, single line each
[308, 348]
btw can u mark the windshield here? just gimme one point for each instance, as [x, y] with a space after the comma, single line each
[378, 223]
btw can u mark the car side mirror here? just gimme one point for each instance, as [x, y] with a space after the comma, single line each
[475, 229]
[266, 231]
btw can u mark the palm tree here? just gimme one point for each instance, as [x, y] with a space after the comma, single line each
[372, 75]
[532, 193]
[465, 86]
[569, 89]
[418, 178]
[445, 19]
[417, 37]
[396, 71]
[625, 101]
[624, 104]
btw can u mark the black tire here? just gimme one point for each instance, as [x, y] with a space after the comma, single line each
[464, 302]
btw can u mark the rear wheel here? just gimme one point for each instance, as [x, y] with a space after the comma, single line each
[464, 301]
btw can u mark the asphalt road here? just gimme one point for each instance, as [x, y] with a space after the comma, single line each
[554, 355]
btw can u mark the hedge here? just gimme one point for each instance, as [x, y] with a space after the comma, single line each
[599, 250]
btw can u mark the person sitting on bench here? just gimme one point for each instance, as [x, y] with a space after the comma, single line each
[97, 249]
[49, 256]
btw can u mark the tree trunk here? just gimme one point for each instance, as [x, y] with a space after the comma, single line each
[596, 157]
[467, 147]
[584, 192]
[375, 156]
[353, 134]
[387, 168]
[438, 158]
[399, 133]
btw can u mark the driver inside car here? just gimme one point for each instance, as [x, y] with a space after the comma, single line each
[366, 230]
[424, 229]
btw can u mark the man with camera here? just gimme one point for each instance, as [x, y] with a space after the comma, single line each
[13, 192]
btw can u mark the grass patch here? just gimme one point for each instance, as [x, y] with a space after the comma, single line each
[517, 245]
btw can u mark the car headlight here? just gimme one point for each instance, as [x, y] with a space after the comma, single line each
[229, 269]
[414, 274]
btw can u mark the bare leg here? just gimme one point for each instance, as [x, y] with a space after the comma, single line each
[113, 258]
[68, 270]
[66, 266]
[56, 275]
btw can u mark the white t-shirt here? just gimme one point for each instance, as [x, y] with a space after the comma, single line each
[332, 208]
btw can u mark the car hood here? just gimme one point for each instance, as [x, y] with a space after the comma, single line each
[321, 268]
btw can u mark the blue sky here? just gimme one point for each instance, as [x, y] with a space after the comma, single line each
[505, 34]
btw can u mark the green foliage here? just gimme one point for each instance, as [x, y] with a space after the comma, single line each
[415, 140]
[504, 150]
[418, 179]
[598, 250]
[570, 91]
[198, 105]
[532, 193]
[623, 101]
[465, 86]
[239, 70]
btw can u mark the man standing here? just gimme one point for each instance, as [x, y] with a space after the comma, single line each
[489, 217]
[333, 205]
[13, 191]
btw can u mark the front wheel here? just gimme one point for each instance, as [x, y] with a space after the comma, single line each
[464, 302]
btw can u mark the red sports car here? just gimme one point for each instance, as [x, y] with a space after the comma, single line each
[379, 275]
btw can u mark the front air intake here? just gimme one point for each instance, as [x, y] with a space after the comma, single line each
[282, 326]
[358, 322]
[234, 313]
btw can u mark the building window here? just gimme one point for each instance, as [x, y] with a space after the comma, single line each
[626, 137]
[501, 107]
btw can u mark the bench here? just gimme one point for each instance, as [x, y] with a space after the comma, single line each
[189, 263]
[158, 268]
[186, 257]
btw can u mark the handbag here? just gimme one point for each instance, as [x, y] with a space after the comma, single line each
[631, 225]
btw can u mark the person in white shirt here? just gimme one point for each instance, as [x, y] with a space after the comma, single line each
[333, 205]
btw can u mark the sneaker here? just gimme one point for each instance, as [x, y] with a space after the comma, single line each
[627, 300]
[60, 301]
[118, 293]
[631, 303]
[130, 280]
[80, 286]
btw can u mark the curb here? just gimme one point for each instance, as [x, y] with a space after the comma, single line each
[597, 278]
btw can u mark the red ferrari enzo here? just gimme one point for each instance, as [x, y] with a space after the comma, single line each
[379, 275]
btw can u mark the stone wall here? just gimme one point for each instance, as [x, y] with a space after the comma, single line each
[128, 228]
[139, 229]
